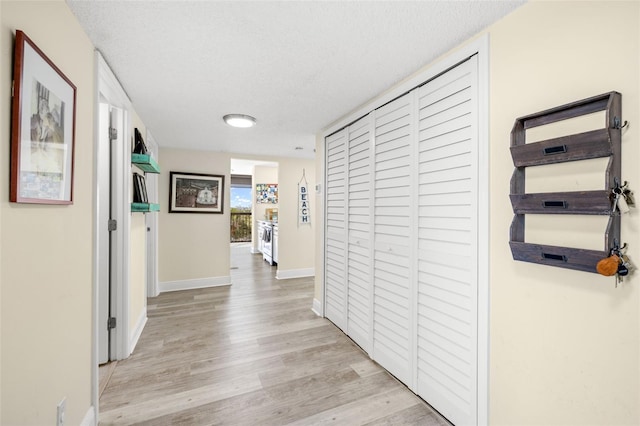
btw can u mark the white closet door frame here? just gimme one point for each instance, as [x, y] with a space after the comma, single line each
[480, 46]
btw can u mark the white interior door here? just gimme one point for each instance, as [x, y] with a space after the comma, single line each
[359, 223]
[336, 229]
[117, 334]
[104, 176]
[392, 299]
[447, 243]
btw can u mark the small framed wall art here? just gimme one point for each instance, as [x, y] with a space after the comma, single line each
[42, 128]
[196, 193]
[267, 193]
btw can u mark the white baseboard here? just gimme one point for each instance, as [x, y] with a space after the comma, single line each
[294, 273]
[137, 331]
[90, 418]
[317, 307]
[193, 284]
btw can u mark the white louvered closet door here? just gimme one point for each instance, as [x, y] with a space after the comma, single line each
[447, 243]
[336, 230]
[359, 282]
[392, 299]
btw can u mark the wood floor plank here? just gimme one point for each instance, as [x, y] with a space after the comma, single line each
[252, 354]
[364, 410]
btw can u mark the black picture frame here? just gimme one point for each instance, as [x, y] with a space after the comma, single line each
[196, 193]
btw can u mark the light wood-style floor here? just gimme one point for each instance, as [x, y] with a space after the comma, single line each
[251, 354]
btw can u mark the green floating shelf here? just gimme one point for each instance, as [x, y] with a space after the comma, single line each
[145, 162]
[145, 207]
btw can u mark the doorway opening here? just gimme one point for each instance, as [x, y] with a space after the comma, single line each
[241, 202]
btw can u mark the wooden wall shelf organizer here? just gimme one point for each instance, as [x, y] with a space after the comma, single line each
[605, 142]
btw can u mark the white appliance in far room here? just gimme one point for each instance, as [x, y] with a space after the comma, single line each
[267, 243]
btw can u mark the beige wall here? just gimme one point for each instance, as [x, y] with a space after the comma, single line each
[296, 243]
[191, 245]
[138, 253]
[564, 345]
[261, 174]
[45, 268]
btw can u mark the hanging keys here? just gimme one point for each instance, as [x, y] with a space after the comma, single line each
[618, 264]
[620, 195]
[623, 207]
[609, 265]
[628, 196]
[627, 263]
[616, 199]
[623, 271]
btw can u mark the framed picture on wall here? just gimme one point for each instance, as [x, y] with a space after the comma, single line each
[196, 193]
[267, 193]
[42, 128]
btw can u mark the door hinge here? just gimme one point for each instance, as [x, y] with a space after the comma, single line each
[111, 323]
[113, 225]
[113, 133]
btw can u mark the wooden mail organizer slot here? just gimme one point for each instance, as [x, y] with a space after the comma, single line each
[583, 202]
[564, 257]
[598, 143]
[582, 146]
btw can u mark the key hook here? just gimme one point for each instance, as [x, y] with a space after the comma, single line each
[616, 123]
[615, 247]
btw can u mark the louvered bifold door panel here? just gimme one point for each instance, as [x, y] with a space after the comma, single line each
[336, 245]
[392, 233]
[359, 228]
[447, 243]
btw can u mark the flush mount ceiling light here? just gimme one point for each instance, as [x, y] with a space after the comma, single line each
[239, 120]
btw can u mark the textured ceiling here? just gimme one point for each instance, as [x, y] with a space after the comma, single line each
[295, 66]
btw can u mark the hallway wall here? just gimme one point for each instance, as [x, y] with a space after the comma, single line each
[46, 263]
[138, 256]
[564, 340]
[193, 248]
[296, 243]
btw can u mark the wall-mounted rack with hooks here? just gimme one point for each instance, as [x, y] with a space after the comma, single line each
[604, 142]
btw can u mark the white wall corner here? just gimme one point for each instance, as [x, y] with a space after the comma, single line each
[255, 250]
[137, 331]
[295, 273]
[317, 307]
[90, 418]
[195, 283]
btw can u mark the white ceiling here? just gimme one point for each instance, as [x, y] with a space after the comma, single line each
[297, 66]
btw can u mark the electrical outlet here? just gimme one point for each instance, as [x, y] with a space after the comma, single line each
[60, 412]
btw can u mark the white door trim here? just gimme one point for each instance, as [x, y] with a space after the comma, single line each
[151, 222]
[108, 89]
[121, 212]
[483, 230]
[480, 46]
